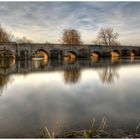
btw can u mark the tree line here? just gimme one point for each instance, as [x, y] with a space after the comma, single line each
[6, 37]
[106, 36]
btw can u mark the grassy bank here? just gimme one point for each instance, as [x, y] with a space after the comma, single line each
[94, 132]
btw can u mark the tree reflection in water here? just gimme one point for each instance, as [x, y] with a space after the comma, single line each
[5, 79]
[71, 76]
[108, 74]
[72, 70]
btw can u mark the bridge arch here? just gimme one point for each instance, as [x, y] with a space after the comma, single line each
[95, 54]
[133, 53]
[70, 55]
[115, 53]
[125, 52]
[40, 54]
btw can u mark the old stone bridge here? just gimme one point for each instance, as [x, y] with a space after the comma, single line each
[27, 50]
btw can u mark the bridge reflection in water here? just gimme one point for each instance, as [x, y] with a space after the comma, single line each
[107, 69]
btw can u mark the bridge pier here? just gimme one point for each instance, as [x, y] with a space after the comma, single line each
[23, 52]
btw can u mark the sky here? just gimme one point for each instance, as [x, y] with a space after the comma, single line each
[45, 21]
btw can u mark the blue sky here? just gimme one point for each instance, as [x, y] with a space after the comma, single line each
[45, 21]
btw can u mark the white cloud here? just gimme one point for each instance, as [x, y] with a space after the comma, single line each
[41, 21]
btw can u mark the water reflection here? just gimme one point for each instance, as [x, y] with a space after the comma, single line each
[107, 69]
[109, 74]
[39, 64]
[50, 96]
[5, 80]
[7, 63]
[71, 76]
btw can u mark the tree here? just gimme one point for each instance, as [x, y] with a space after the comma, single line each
[71, 37]
[4, 36]
[107, 37]
[24, 40]
[47, 42]
[8, 37]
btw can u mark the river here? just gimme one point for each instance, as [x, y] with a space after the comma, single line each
[66, 96]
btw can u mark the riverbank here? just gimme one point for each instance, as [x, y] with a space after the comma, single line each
[94, 132]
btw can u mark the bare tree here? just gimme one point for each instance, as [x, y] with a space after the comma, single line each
[71, 37]
[4, 35]
[47, 42]
[24, 40]
[107, 37]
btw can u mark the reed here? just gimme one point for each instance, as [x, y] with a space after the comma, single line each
[47, 134]
[94, 131]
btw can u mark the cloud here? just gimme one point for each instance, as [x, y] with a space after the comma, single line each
[45, 21]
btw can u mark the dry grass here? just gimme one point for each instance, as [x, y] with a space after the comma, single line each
[47, 134]
[137, 128]
[93, 132]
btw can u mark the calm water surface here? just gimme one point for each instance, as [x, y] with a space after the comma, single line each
[67, 95]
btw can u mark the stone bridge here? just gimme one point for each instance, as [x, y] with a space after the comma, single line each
[27, 50]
